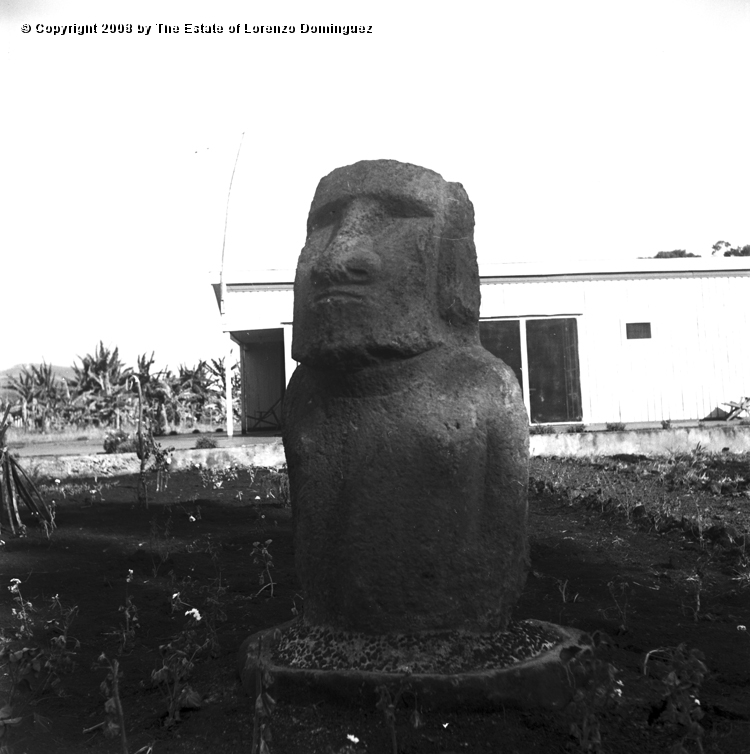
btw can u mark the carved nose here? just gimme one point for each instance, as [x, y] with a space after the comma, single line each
[349, 257]
[351, 261]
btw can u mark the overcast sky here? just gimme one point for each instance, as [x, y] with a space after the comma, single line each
[581, 129]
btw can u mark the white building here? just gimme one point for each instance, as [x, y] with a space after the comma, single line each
[591, 342]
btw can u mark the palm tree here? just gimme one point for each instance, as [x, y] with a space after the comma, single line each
[99, 383]
[42, 392]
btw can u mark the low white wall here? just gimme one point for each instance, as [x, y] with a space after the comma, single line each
[269, 454]
[646, 442]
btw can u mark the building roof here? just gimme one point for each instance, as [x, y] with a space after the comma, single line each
[615, 268]
[238, 280]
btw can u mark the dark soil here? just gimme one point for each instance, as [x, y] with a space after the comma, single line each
[649, 554]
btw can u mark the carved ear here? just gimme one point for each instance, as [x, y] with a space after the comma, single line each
[458, 272]
[423, 238]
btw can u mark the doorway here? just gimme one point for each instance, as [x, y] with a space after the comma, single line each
[543, 354]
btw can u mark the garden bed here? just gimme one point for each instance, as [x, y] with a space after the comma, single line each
[649, 553]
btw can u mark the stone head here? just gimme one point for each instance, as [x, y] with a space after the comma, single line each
[388, 270]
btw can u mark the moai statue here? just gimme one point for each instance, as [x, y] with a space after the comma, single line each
[406, 441]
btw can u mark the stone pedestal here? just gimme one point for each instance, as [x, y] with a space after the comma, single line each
[523, 667]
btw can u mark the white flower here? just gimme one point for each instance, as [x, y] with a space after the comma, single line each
[130, 575]
[352, 738]
[194, 614]
[742, 628]
[57, 481]
[192, 518]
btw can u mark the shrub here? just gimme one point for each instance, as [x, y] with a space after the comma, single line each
[666, 424]
[206, 443]
[119, 441]
[615, 426]
[275, 485]
[576, 428]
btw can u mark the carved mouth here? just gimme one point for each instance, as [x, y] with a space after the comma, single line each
[337, 294]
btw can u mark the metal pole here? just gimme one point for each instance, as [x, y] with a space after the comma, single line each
[228, 387]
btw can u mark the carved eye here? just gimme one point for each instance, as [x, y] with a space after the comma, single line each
[325, 217]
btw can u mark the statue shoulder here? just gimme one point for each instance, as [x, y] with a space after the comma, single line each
[475, 365]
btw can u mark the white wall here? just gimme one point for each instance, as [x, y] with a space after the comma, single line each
[697, 358]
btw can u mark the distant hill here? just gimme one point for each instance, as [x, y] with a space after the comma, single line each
[14, 371]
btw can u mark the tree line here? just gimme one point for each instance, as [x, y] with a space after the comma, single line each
[720, 247]
[104, 393]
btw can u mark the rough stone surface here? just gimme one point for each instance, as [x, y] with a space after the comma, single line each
[406, 441]
[440, 652]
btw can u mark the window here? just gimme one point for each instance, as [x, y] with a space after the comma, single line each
[554, 379]
[638, 330]
[547, 368]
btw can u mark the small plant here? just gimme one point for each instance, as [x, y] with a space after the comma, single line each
[388, 702]
[49, 526]
[63, 648]
[216, 476]
[275, 485]
[22, 666]
[126, 631]
[666, 424]
[206, 442]
[178, 659]
[576, 428]
[213, 612]
[619, 590]
[615, 426]
[680, 686]
[262, 556]
[89, 492]
[161, 458]
[213, 595]
[684, 469]
[541, 429]
[162, 464]
[21, 612]
[694, 583]
[118, 441]
[114, 725]
[597, 689]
